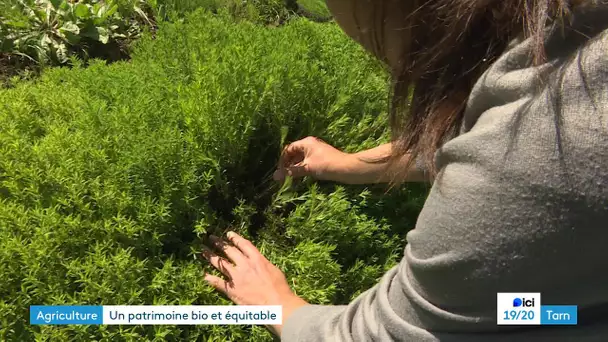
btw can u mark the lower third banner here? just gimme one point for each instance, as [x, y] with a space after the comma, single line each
[156, 315]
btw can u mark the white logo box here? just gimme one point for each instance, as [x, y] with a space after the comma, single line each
[527, 313]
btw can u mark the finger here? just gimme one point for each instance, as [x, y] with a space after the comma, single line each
[283, 157]
[234, 254]
[292, 154]
[244, 245]
[221, 264]
[279, 175]
[299, 170]
[220, 284]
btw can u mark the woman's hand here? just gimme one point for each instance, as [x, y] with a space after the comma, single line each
[311, 157]
[250, 278]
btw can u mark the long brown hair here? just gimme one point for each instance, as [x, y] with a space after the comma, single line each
[450, 44]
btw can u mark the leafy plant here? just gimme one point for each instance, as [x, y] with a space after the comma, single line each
[264, 12]
[111, 176]
[50, 31]
[317, 7]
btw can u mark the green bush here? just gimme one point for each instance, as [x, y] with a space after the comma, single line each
[256, 11]
[111, 176]
[317, 7]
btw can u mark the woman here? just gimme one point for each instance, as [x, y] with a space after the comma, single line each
[509, 120]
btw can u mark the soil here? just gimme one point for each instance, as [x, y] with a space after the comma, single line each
[113, 51]
[16, 66]
[11, 66]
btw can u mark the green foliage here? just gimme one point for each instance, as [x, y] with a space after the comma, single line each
[265, 12]
[112, 176]
[256, 11]
[317, 7]
[50, 31]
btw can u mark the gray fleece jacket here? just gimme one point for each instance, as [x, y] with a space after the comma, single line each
[520, 205]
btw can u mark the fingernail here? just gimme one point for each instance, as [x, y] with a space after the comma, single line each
[230, 234]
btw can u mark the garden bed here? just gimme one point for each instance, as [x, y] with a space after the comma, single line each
[112, 176]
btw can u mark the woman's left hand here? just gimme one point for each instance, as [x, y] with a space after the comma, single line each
[251, 278]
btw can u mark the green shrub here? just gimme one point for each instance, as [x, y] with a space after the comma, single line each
[50, 31]
[256, 11]
[317, 7]
[111, 176]
[265, 12]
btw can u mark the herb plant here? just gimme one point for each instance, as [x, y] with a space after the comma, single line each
[112, 176]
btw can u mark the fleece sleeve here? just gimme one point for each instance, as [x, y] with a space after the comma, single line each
[520, 205]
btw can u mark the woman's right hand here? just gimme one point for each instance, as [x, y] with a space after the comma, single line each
[312, 157]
